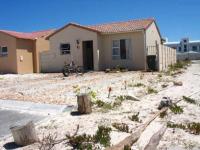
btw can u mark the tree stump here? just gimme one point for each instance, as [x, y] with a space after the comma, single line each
[84, 104]
[24, 134]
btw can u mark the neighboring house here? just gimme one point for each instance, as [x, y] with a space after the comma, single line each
[19, 52]
[102, 46]
[185, 45]
[186, 49]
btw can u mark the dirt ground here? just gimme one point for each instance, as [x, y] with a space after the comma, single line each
[53, 88]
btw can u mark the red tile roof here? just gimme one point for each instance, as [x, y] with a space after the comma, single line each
[30, 36]
[117, 27]
[127, 26]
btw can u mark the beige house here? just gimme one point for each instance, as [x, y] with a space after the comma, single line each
[19, 52]
[102, 46]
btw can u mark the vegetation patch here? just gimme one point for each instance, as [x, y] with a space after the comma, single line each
[163, 114]
[193, 127]
[135, 117]
[189, 100]
[76, 89]
[151, 90]
[127, 147]
[92, 94]
[121, 127]
[176, 109]
[179, 65]
[137, 85]
[88, 142]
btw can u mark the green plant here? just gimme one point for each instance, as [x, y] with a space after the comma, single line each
[121, 127]
[76, 89]
[189, 100]
[102, 136]
[1, 78]
[93, 94]
[86, 142]
[150, 90]
[192, 127]
[163, 114]
[135, 117]
[176, 109]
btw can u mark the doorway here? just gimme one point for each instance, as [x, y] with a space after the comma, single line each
[88, 63]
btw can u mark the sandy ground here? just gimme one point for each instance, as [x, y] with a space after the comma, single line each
[53, 88]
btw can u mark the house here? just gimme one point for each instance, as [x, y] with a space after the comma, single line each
[186, 49]
[97, 47]
[185, 45]
[19, 52]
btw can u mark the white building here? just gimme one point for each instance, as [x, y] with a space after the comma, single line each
[185, 45]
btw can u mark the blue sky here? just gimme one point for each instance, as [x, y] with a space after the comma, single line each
[175, 18]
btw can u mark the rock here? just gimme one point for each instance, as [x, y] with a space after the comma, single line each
[166, 102]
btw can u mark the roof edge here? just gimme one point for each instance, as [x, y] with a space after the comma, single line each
[71, 24]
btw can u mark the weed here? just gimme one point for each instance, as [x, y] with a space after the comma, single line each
[193, 127]
[179, 65]
[1, 78]
[102, 136]
[76, 89]
[189, 100]
[150, 90]
[84, 141]
[135, 117]
[121, 127]
[163, 114]
[164, 85]
[139, 85]
[92, 94]
[176, 109]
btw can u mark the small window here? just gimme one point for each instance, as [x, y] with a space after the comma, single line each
[116, 49]
[179, 49]
[185, 48]
[194, 48]
[65, 48]
[120, 49]
[3, 51]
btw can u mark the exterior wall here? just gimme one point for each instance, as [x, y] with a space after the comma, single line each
[136, 57]
[8, 63]
[41, 45]
[53, 61]
[25, 49]
[152, 35]
[166, 57]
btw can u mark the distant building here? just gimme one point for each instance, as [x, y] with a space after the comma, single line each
[185, 45]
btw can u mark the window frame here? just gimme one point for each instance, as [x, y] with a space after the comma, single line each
[3, 54]
[65, 51]
[119, 57]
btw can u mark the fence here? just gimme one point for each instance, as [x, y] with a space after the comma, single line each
[165, 56]
[188, 56]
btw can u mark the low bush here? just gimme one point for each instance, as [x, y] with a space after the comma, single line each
[135, 117]
[176, 109]
[121, 127]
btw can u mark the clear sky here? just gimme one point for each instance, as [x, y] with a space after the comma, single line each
[175, 18]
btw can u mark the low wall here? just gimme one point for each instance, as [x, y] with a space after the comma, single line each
[188, 56]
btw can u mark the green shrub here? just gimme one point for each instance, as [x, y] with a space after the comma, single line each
[193, 127]
[121, 127]
[163, 114]
[93, 94]
[176, 109]
[102, 136]
[189, 100]
[135, 117]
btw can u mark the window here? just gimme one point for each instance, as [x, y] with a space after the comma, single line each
[194, 48]
[65, 48]
[3, 51]
[179, 49]
[185, 41]
[185, 48]
[120, 49]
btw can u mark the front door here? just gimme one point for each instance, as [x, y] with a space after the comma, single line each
[88, 62]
